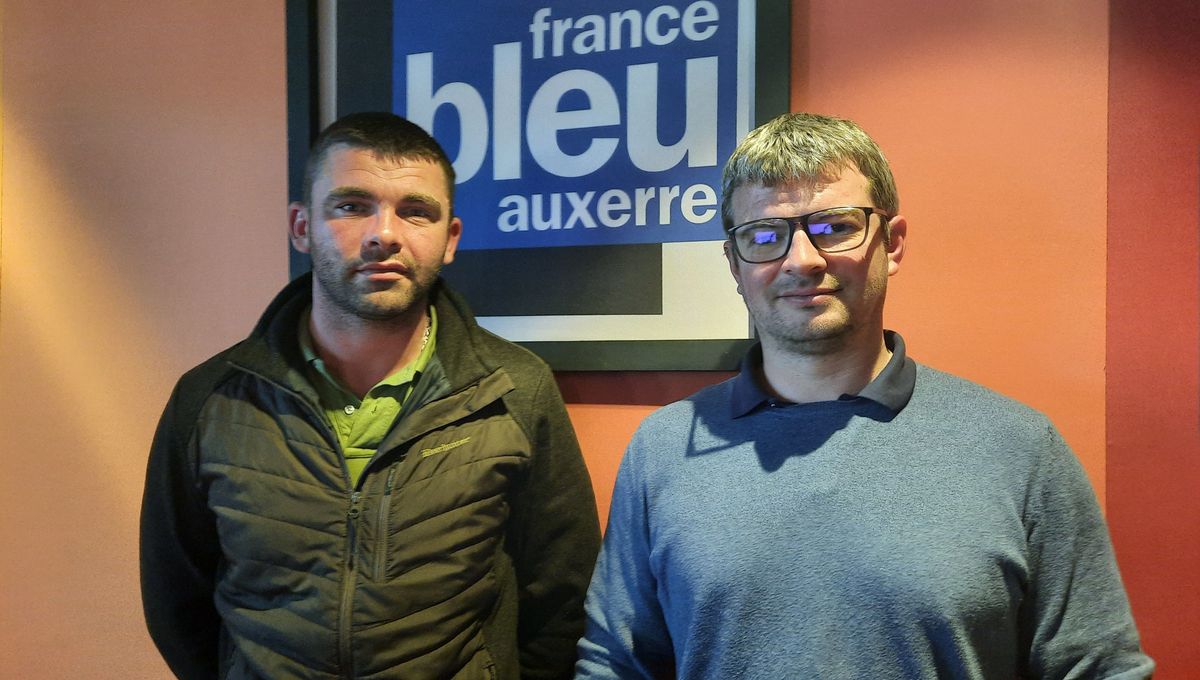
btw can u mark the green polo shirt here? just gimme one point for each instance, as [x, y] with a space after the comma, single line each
[362, 424]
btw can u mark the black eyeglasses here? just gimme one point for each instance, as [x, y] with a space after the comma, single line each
[832, 230]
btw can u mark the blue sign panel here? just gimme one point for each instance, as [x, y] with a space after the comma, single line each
[572, 126]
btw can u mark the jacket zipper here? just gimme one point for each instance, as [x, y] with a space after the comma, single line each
[350, 572]
[349, 577]
[381, 526]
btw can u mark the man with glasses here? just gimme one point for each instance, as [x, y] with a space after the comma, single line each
[837, 510]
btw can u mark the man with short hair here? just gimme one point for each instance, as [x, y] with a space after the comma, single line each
[837, 510]
[370, 485]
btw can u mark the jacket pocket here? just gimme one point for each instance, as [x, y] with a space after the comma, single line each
[383, 526]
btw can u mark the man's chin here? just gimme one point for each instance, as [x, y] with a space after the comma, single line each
[375, 302]
[390, 311]
[390, 305]
[815, 339]
[818, 345]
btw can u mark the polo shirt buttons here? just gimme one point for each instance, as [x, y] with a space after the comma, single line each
[349, 409]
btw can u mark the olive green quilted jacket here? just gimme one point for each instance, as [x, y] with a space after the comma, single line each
[464, 551]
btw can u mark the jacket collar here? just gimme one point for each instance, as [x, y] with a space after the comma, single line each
[273, 350]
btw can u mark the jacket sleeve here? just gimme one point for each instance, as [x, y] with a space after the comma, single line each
[627, 635]
[558, 536]
[1075, 620]
[179, 549]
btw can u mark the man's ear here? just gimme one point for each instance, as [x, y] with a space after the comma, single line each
[898, 229]
[732, 258]
[454, 232]
[298, 226]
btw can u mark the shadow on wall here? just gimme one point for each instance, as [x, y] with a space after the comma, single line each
[647, 388]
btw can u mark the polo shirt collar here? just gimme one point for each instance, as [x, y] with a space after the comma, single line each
[331, 389]
[892, 388]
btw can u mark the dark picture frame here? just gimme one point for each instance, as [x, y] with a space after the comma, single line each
[632, 281]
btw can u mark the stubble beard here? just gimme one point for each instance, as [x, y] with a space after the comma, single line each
[814, 338]
[798, 331]
[828, 331]
[356, 303]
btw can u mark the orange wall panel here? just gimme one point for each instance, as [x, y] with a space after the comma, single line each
[144, 185]
[993, 117]
[604, 430]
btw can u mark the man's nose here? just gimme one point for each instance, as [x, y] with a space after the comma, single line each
[384, 232]
[803, 257]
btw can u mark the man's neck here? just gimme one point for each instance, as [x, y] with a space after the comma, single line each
[804, 378]
[361, 352]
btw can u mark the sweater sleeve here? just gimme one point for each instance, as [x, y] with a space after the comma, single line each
[179, 551]
[558, 538]
[626, 635]
[1076, 620]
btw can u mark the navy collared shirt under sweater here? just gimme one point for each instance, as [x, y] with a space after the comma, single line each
[925, 527]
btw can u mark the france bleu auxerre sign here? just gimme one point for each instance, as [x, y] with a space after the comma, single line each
[579, 123]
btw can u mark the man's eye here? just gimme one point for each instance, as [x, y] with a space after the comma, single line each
[830, 228]
[419, 213]
[347, 208]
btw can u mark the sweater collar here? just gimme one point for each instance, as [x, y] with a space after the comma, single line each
[892, 388]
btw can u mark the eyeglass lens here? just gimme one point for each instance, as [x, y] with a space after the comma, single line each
[830, 231]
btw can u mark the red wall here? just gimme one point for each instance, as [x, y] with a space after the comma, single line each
[1153, 330]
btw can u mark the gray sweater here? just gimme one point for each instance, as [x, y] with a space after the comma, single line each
[941, 531]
